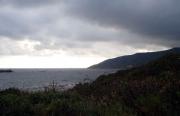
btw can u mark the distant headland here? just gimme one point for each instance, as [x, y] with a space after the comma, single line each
[5, 70]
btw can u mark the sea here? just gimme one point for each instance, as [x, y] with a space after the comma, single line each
[38, 79]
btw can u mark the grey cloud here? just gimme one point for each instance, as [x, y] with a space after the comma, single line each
[158, 19]
[32, 23]
[28, 3]
[90, 25]
[13, 26]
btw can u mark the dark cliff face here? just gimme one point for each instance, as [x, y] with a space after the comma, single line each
[130, 61]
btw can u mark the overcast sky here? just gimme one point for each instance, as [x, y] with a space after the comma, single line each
[79, 33]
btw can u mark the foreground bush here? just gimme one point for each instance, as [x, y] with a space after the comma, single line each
[14, 102]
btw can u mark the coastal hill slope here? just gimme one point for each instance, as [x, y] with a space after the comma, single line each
[149, 90]
[134, 60]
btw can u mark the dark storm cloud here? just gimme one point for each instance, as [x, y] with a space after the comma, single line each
[153, 18]
[75, 25]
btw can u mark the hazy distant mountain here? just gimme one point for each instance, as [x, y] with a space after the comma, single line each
[134, 60]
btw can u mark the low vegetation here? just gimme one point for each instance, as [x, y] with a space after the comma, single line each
[149, 90]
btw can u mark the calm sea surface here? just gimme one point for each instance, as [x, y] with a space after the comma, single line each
[33, 79]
